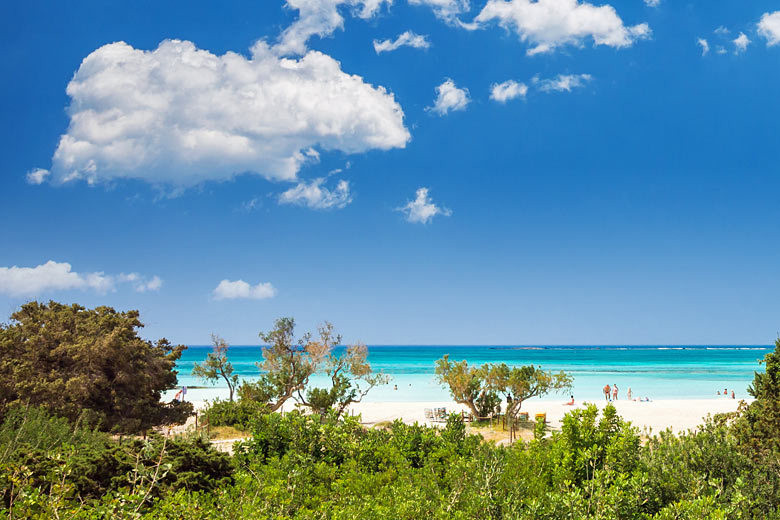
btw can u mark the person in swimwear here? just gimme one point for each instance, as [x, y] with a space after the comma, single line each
[607, 391]
[570, 403]
[614, 392]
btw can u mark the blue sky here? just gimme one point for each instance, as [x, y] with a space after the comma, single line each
[627, 194]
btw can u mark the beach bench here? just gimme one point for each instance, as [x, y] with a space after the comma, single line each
[541, 417]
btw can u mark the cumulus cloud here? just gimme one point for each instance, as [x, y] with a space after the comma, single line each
[769, 27]
[315, 196]
[562, 82]
[446, 10]
[59, 276]
[179, 115]
[653, 3]
[321, 18]
[227, 290]
[705, 47]
[511, 89]
[740, 43]
[406, 39]
[450, 98]
[549, 24]
[37, 176]
[422, 209]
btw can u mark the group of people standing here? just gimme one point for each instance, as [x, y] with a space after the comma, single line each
[726, 393]
[611, 392]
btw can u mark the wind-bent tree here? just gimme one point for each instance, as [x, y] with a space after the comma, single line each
[90, 364]
[287, 364]
[216, 366]
[465, 382]
[473, 386]
[351, 379]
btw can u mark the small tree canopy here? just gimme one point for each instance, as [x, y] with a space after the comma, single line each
[351, 378]
[88, 363]
[287, 364]
[472, 386]
[216, 366]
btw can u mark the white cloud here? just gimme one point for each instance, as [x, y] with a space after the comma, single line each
[721, 30]
[653, 3]
[705, 47]
[445, 9]
[422, 209]
[720, 49]
[450, 98]
[178, 115]
[548, 24]
[769, 27]
[37, 176]
[59, 276]
[142, 284]
[227, 290]
[320, 18]
[314, 195]
[740, 43]
[407, 39]
[562, 82]
[511, 89]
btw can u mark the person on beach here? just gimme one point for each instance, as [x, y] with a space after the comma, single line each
[628, 393]
[570, 403]
[732, 395]
[614, 392]
[607, 391]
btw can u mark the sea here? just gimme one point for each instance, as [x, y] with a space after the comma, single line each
[656, 372]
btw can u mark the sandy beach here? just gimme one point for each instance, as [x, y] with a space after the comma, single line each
[655, 416]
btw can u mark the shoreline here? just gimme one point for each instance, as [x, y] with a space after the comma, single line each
[678, 415]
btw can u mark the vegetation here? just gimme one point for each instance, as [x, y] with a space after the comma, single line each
[479, 388]
[326, 465]
[288, 365]
[216, 366]
[88, 365]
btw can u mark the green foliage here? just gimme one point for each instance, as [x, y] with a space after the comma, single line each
[88, 364]
[488, 404]
[351, 379]
[238, 414]
[468, 384]
[42, 456]
[759, 425]
[297, 466]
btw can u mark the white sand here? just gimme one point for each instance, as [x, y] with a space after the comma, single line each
[677, 414]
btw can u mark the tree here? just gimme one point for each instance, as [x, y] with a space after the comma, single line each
[287, 364]
[472, 386]
[466, 383]
[351, 378]
[521, 383]
[89, 364]
[217, 366]
[759, 424]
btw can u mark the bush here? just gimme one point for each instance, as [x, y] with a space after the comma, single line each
[238, 414]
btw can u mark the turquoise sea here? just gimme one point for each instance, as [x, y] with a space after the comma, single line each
[658, 372]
